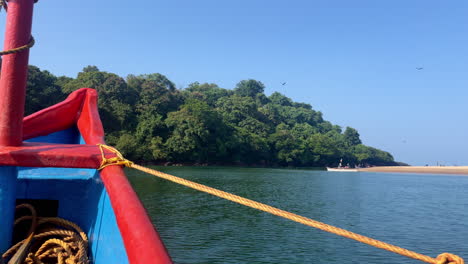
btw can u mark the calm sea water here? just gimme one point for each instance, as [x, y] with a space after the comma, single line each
[424, 213]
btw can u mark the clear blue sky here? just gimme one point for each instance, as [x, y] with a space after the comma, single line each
[353, 60]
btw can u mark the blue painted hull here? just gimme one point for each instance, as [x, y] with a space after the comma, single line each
[81, 198]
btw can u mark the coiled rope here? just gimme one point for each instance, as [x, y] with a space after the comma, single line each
[3, 4]
[50, 240]
[118, 159]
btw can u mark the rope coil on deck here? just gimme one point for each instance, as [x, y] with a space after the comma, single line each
[50, 240]
[444, 258]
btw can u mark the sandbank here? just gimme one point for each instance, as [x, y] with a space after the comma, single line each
[461, 170]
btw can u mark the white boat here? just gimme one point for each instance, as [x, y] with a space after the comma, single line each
[342, 169]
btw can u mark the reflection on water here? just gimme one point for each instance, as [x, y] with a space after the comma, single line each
[424, 213]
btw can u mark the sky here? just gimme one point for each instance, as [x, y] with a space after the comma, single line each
[355, 61]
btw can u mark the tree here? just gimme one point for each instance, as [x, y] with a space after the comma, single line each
[303, 130]
[279, 99]
[286, 146]
[115, 99]
[148, 119]
[322, 149]
[361, 153]
[249, 147]
[249, 88]
[128, 146]
[352, 136]
[236, 108]
[42, 90]
[156, 94]
[198, 133]
[208, 92]
[90, 68]
[61, 81]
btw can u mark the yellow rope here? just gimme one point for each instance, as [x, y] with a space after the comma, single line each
[117, 160]
[15, 50]
[65, 242]
[444, 258]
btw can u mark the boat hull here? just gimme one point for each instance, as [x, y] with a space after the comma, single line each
[66, 183]
[77, 195]
[342, 170]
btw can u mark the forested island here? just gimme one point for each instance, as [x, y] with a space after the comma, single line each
[149, 120]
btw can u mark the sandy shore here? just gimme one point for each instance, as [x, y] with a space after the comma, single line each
[463, 170]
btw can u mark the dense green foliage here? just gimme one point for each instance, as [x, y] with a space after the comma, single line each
[148, 119]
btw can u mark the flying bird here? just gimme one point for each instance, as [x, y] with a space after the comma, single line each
[419, 68]
[284, 83]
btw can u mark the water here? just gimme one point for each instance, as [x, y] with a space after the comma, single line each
[424, 213]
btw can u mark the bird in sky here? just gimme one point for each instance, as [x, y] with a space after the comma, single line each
[419, 68]
[284, 83]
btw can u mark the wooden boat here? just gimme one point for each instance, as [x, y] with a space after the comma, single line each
[342, 169]
[50, 158]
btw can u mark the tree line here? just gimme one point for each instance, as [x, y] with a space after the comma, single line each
[150, 120]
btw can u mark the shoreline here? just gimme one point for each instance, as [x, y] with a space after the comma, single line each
[453, 170]
[458, 170]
